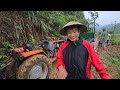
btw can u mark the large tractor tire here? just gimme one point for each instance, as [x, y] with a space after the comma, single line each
[35, 67]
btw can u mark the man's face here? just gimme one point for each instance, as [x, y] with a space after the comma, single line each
[73, 34]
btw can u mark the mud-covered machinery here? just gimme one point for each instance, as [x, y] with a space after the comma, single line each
[27, 63]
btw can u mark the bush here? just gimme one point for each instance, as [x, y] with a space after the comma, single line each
[116, 38]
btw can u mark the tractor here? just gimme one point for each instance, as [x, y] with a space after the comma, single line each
[26, 63]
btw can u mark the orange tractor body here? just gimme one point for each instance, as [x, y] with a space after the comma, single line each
[33, 64]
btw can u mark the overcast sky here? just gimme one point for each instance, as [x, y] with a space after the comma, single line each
[105, 17]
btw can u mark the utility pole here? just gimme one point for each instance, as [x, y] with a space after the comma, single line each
[115, 27]
[94, 25]
[88, 21]
[94, 16]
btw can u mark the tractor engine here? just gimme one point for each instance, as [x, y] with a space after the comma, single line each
[48, 47]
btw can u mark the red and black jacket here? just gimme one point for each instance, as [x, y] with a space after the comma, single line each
[77, 58]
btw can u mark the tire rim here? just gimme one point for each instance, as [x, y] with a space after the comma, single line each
[38, 71]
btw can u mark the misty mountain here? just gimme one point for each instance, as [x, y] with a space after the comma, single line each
[109, 27]
[98, 27]
[118, 27]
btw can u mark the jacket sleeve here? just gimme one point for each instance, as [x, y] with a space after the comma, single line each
[59, 57]
[97, 63]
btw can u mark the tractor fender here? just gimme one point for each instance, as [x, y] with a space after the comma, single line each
[26, 47]
[19, 50]
[30, 53]
[58, 41]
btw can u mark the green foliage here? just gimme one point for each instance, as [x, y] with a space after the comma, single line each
[116, 38]
[54, 20]
[32, 40]
[115, 61]
[115, 58]
[46, 27]
[57, 18]
[111, 31]
[71, 18]
[3, 57]
[112, 63]
[32, 16]
[8, 45]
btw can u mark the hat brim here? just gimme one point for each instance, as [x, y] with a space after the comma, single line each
[82, 28]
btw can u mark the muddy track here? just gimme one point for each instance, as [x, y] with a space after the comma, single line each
[106, 56]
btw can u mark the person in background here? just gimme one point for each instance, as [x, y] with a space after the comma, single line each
[108, 39]
[100, 39]
[62, 37]
[76, 55]
[104, 37]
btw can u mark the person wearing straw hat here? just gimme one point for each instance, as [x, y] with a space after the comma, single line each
[75, 56]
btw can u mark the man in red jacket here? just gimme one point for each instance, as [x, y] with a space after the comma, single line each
[75, 56]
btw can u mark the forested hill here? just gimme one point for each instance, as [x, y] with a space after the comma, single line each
[19, 27]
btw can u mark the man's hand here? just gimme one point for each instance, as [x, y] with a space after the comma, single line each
[62, 73]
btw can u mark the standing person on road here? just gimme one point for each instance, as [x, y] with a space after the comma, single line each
[75, 56]
[108, 39]
[104, 38]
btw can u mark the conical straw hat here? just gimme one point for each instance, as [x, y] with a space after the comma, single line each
[83, 28]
